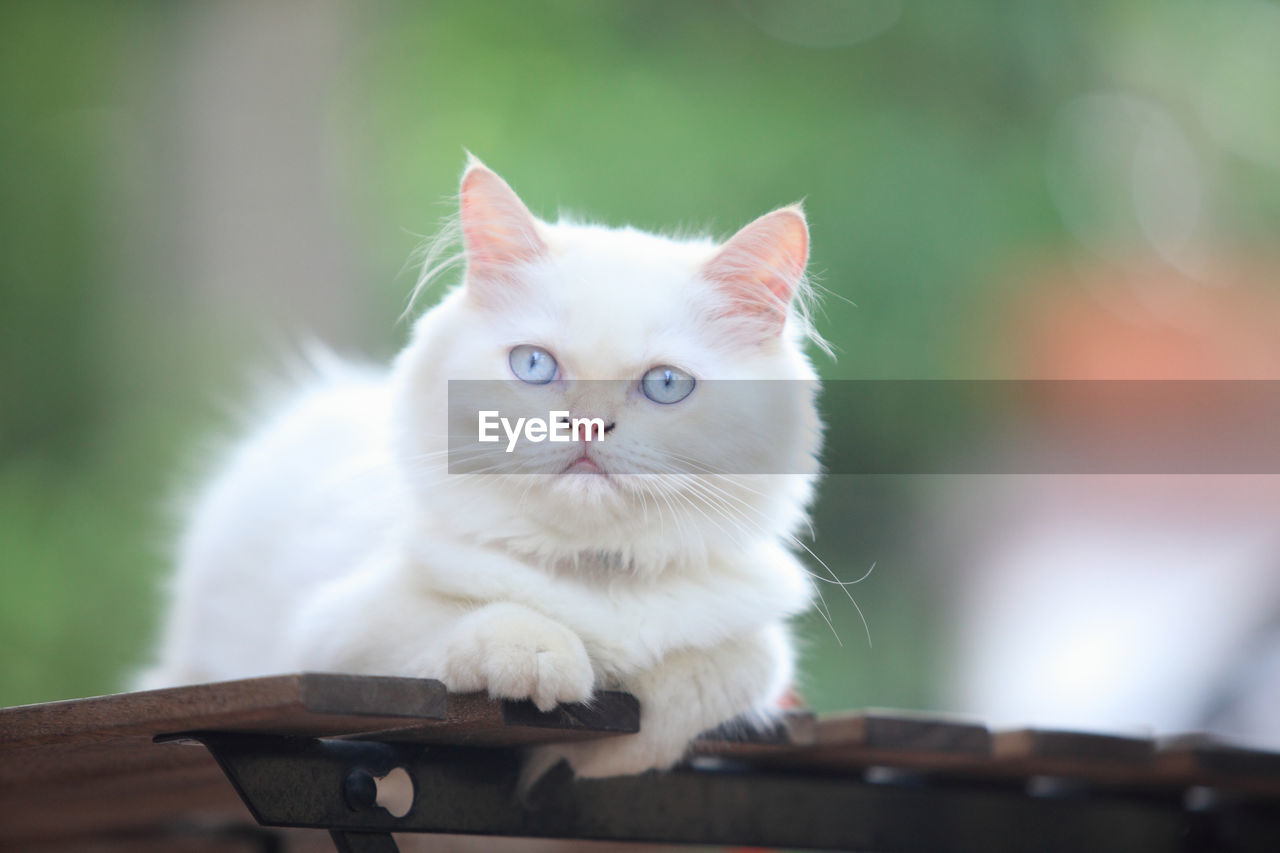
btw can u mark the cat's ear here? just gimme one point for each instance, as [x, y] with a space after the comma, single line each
[498, 231]
[761, 267]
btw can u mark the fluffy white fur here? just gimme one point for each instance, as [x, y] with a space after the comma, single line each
[334, 538]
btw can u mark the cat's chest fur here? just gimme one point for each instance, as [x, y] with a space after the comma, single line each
[628, 621]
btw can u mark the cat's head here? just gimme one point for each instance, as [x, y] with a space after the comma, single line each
[690, 354]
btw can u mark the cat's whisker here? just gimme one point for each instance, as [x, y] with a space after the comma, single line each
[644, 507]
[833, 580]
[822, 607]
[702, 482]
[663, 495]
[824, 610]
[739, 530]
[662, 525]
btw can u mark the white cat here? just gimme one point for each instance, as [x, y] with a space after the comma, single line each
[336, 538]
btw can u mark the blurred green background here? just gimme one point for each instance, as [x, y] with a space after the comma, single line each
[189, 190]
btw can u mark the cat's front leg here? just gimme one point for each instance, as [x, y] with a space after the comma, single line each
[690, 692]
[382, 620]
[514, 652]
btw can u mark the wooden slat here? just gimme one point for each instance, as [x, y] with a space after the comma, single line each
[1047, 745]
[907, 733]
[743, 741]
[943, 746]
[1055, 760]
[109, 736]
[88, 766]
[1103, 759]
[475, 720]
[306, 703]
[1093, 757]
[866, 739]
[82, 768]
[1206, 761]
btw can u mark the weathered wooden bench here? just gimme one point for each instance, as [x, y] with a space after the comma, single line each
[362, 757]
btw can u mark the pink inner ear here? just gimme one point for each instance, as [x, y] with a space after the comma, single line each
[498, 230]
[762, 265]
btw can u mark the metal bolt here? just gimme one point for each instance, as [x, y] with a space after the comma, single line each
[360, 790]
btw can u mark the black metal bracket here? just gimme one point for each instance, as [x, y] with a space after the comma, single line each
[334, 785]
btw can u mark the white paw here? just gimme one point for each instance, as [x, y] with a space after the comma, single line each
[515, 653]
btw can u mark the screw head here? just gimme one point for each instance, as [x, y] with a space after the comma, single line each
[360, 790]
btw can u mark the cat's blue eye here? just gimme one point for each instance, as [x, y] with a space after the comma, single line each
[532, 364]
[666, 384]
